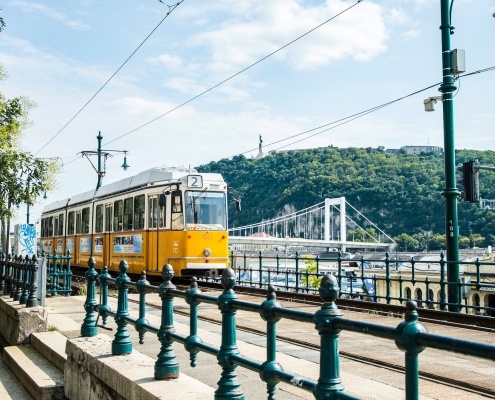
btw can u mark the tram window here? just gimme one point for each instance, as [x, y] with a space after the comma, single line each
[139, 212]
[176, 201]
[70, 223]
[78, 222]
[85, 220]
[60, 225]
[177, 215]
[42, 233]
[108, 217]
[99, 218]
[55, 224]
[128, 210]
[50, 226]
[205, 210]
[118, 215]
[153, 212]
[161, 212]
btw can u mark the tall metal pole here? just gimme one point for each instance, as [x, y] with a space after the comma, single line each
[100, 171]
[27, 204]
[450, 193]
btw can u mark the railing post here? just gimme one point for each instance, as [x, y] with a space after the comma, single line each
[228, 385]
[104, 308]
[25, 281]
[89, 328]
[260, 269]
[443, 305]
[387, 277]
[56, 273]
[32, 300]
[167, 365]
[13, 286]
[68, 276]
[329, 382]
[18, 288]
[3, 276]
[142, 321]
[122, 343]
[8, 275]
[270, 365]
[297, 271]
[193, 337]
[405, 339]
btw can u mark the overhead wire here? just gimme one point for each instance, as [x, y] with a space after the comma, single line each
[170, 10]
[345, 120]
[236, 74]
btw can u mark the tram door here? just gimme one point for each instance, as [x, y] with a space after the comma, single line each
[107, 237]
[156, 208]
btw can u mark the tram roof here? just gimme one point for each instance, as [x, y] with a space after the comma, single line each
[149, 177]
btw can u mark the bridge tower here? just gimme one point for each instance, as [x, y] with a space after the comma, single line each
[343, 232]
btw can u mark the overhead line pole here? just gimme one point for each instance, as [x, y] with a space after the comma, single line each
[451, 193]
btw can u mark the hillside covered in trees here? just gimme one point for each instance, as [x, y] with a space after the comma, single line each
[400, 193]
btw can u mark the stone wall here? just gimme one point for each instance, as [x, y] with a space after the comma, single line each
[92, 372]
[18, 322]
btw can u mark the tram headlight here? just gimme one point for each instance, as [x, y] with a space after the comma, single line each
[207, 252]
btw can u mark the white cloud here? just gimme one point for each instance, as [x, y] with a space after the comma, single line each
[168, 60]
[51, 13]
[252, 30]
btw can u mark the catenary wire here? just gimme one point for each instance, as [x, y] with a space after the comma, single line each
[170, 10]
[236, 74]
[353, 117]
[347, 119]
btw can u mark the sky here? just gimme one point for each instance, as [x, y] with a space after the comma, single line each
[172, 102]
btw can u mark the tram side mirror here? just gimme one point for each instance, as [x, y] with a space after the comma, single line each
[161, 200]
[238, 205]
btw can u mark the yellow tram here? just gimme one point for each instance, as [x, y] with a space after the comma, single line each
[160, 216]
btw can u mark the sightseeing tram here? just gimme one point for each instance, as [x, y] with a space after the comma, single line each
[160, 216]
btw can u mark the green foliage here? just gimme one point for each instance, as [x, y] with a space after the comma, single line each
[310, 268]
[400, 193]
[24, 177]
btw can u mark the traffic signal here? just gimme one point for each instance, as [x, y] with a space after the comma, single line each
[470, 180]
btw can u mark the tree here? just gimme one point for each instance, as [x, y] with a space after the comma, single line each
[24, 177]
[2, 23]
[405, 241]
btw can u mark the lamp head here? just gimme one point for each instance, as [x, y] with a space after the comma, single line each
[125, 166]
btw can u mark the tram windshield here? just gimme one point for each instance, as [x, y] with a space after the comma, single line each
[206, 211]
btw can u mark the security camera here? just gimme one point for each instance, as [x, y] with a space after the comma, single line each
[430, 103]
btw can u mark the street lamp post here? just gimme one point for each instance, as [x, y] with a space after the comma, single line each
[102, 157]
[451, 192]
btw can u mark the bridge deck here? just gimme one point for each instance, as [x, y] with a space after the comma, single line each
[361, 380]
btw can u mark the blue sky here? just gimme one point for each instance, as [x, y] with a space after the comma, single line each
[61, 53]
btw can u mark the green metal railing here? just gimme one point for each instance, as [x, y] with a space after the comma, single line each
[410, 335]
[303, 273]
[18, 279]
[58, 274]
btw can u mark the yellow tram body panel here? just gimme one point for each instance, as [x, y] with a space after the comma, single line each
[195, 252]
[157, 217]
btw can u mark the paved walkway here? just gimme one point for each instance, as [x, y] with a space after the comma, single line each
[361, 380]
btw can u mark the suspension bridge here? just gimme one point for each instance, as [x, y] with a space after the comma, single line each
[323, 225]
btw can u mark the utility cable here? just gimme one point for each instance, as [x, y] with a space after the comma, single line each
[353, 117]
[236, 74]
[170, 10]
